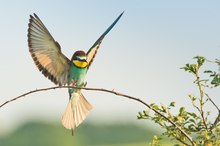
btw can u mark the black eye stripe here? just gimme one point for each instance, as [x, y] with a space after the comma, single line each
[79, 59]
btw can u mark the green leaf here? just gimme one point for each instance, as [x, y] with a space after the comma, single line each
[208, 71]
[155, 107]
[164, 109]
[216, 80]
[139, 116]
[192, 114]
[192, 97]
[146, 113]
[200, 60]
[192, 120]
[217, 61]
[172, 104]
[181, 111]
[192, 68]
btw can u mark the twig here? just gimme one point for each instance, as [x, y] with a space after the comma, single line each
[108, 91]
[180, 140]
[201, 91]
[212, 102]
[218, 117]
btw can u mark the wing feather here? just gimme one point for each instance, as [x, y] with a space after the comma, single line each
[93, 50]
[46, 52]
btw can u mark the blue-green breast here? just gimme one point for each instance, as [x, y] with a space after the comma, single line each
[77, 75]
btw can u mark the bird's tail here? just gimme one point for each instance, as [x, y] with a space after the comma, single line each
[76, 111]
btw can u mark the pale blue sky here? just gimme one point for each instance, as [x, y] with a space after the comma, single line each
[141, 56]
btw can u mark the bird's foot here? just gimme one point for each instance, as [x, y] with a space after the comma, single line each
[85, 83]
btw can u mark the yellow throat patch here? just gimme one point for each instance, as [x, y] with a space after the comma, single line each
[80, 64]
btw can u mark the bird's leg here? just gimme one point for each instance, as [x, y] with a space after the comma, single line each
[73, 83]
[84, 84]
[72, 131]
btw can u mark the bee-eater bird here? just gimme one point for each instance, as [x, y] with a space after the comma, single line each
[47, 55]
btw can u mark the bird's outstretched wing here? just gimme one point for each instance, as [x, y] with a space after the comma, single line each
[46, 52]
[93, 50]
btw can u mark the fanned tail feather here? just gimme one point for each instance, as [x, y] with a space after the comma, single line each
[76, 111]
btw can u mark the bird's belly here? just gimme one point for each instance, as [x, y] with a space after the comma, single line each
[77, 77]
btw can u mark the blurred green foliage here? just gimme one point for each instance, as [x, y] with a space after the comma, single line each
[45, 134]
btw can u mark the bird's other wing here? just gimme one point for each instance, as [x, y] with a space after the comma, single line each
[46, 52]
[93, 50]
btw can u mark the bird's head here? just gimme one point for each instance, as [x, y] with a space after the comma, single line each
[79, 59]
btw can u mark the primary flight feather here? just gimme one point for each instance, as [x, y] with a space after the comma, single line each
[47, 55]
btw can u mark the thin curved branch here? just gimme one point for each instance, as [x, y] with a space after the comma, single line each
[212, 102]
[218, 117]
[108, 91]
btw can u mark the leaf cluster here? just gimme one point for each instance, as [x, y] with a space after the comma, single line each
[196, 124]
